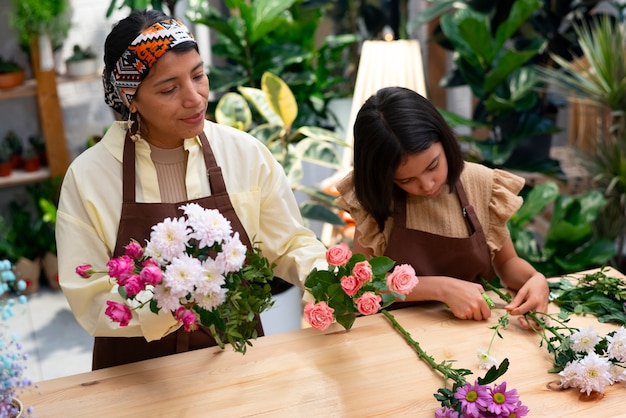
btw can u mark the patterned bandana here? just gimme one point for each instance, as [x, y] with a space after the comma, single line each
[133, 66]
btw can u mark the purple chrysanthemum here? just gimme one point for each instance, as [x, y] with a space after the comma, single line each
[502, 401]
[446, 413]
[474, 398]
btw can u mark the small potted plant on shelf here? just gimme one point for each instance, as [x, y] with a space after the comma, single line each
[30, 159]
[6, 166]
[82, 62]
[11, 74]
[39, 145]
[16, 146]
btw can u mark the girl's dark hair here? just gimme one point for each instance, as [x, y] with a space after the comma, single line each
[127, 29]
[393, 124]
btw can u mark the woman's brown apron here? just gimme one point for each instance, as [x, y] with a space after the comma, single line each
[435, 255]
[136, 221]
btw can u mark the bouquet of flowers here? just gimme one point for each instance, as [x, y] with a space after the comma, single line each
[12, 359]
[196, 268]
[353, 285]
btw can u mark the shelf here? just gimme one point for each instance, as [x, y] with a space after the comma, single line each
[21, 177]
[29, 88]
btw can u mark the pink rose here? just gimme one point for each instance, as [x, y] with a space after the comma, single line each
[402, 280]
[362, 271]
[134, 284]
[319, 316]
[84, 270]
[118, 312]
[350, 285]
[368, 303]
[134, 250]
[188, 318]
[338, 255]
[151, 274]
[120, 267]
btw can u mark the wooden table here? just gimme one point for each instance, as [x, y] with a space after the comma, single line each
[367, 371]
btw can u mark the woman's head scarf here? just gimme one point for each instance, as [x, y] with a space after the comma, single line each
[123, 80]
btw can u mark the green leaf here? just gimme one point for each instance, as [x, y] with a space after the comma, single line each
[494, 373]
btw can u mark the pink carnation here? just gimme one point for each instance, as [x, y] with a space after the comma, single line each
[402, 280]
[134, 250]
[134, 284]
[84, 270]
[188, 318]
[118, 312]
[368, 303]
[121, 267]
[362, 271]
[338, 255]
[350, 285]
[151, 274]
[318, 315]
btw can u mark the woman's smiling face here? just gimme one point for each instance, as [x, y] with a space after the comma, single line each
[424, 174]
[172, 99]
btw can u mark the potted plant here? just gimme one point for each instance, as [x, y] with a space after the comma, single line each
[11, 74]
[35, 19]
[599, 77]
[82, 62]
[15, 143]
[6, 166]
[30, 159]
[38, 143]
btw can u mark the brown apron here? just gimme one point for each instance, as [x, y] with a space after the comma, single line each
[136, 221]
[435, 255]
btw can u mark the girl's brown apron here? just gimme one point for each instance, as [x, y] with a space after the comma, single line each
[136, 221]
[435, 255]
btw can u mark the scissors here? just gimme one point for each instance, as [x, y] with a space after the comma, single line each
[492, 304]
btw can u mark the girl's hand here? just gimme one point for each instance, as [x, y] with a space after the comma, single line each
[532, 296]
[465, 300]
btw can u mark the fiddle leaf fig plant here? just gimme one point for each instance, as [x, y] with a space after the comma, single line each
[291, 147]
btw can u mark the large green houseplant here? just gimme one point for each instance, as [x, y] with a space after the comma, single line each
[35, 18]
[292, 147]
[277, 36]
[509, 108]
[600, 76]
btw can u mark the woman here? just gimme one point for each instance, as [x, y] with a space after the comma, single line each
[146, 167]
[416, 201]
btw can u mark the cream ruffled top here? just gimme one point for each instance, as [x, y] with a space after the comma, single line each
[492, 193]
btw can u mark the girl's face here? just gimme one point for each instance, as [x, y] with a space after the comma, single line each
[424, 174]
[172, 99]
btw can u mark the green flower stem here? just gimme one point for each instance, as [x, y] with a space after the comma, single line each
[443, 368]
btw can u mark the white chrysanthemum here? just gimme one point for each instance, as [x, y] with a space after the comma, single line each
[570, 375]
[165, 299]
[618, 374]
[168, 239]
[617, 345]
[233, 254]
[211, 274]
[584, 340]
[210, 295]
[595, 374]
[209, 225]
[182, 275]
[485, 360]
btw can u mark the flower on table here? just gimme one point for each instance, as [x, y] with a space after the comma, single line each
[199, 270]
[353, 285]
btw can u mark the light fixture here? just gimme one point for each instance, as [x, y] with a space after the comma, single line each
[384, 64]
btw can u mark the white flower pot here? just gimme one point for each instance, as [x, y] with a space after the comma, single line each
[81, 68]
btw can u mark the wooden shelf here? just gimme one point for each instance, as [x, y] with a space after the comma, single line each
[29, 88]
[21, 177]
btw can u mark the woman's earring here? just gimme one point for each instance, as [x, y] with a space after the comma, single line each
[134, 124]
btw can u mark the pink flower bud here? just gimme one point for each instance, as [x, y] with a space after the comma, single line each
[118, 312]
[188, 318]
[368, 303]
[151, 274]
[121, 267]
[362, 271]
[402, 280]
[350, 285]
[134, 250]
[85, 271]
[134, 284]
